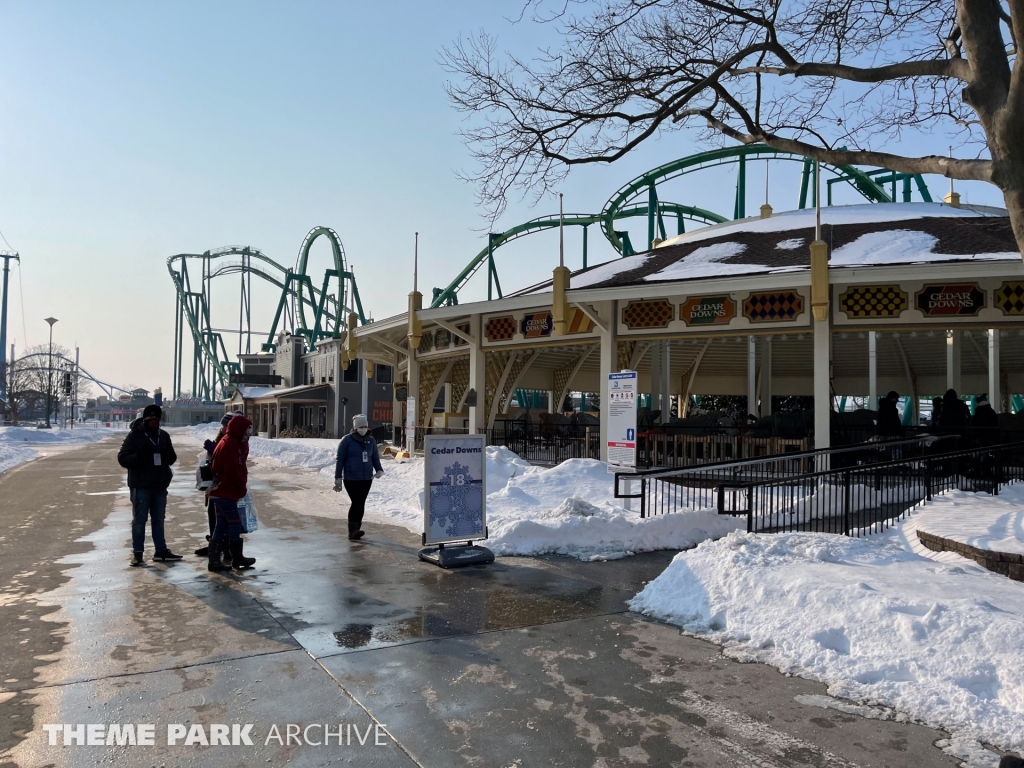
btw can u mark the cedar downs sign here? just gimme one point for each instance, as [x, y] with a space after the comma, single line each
[707, 310]
[943, 300]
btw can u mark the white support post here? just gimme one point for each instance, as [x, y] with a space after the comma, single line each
[665, 386]
[994, 395]
[553, 407]
[822, 386]
[766, 376]
[609, 354]
[953, 361]
[872, 371]
[477, 379]
[414, 392]
[752, 376]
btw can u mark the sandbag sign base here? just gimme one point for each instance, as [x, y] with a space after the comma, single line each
[458, 556]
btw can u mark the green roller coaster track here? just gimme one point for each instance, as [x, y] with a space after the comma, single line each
[623, 204]
[211, 363]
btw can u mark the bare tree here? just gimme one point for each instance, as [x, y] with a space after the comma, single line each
[835, 80]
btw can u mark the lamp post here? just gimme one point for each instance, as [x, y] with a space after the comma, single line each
[49, 375]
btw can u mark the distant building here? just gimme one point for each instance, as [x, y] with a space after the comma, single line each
[316, 394]
[124, 408]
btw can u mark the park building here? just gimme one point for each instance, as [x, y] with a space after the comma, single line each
[297, 391]
[769, 311]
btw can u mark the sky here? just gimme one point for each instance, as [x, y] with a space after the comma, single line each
[130, 132]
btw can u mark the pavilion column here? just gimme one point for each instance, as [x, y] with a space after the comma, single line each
[872, 371]
[477, 378]
[752, 376]
[608, 362]
[414, 392]
[994, 395]
[553, 407]
[820, 297]
[766, 376]
[661, 379]
[953, 361]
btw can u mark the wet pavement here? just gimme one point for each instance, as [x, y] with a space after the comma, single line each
[528, 661]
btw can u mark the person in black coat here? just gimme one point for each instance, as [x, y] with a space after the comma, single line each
[889, 425]
[985, 422]
[147, 454]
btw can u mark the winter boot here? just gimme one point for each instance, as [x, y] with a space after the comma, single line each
[238, 559]
[356, 535]
[136, 559]
[165, 554]
[204, 551]
[215, 564]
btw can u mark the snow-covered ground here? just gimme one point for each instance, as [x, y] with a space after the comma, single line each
[939, 641]
[987, 522]
[21, 444]
[567, 510]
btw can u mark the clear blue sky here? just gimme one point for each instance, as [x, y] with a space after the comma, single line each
[133, 131]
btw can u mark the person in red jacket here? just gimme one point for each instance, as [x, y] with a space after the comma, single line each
[230, 479]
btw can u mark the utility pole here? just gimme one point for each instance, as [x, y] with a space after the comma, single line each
[6, 256]
[49, 375]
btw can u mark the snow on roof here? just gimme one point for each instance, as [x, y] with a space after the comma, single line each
[880, 233]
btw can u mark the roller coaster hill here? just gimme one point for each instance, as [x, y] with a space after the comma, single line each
[317, 307]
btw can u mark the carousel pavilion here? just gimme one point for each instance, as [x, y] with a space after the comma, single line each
[912, 297]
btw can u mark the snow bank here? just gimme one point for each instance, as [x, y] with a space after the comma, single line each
[879, 624]
[565, 510]
[19, 444]
[988, 522]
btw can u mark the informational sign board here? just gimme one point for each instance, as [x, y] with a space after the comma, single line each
[410, 423]
[620, 414]
[454, 488]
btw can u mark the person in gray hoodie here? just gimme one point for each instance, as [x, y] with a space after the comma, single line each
[358, 464]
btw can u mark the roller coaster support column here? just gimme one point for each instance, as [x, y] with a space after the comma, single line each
[740, 211]
[6, 256]
[586, 228]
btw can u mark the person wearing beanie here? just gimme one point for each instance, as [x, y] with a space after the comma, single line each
[358, 464]
[147, 454]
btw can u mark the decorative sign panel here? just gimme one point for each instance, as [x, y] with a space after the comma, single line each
[943, 300]
[500, 328]
[873, 301]
[707, 310]
[579, 322]
[536, 325]
[647, 314]
[773, 307]
[442, 339]
[1009, 297]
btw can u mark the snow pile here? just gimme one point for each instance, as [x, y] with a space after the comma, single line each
[879, 624]
[20, 444]
[566, 510]
[987, 522]
[307, 452]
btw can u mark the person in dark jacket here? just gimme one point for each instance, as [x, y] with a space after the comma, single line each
[985, 422]
[358, 464]
[955, 415]
[889, 425]
[229, 485]
[147, 454]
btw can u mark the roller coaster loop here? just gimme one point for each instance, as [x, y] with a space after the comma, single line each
[211, 363]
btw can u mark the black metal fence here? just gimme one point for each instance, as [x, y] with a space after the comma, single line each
[851, 491]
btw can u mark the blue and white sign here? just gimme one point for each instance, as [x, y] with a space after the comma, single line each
[620, 414]
[455, 488]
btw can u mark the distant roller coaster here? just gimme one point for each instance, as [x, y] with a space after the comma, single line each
[212, 367]
[871, 185]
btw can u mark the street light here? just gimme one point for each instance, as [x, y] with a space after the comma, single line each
[49, 375]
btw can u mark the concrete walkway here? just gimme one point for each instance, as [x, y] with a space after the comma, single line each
[527, 662]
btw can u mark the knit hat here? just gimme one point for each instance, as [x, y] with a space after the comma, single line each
[226, 419]
[359, 420]
[151, 412]
[983, 400]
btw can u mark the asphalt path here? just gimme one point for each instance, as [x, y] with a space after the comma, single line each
[526, 662]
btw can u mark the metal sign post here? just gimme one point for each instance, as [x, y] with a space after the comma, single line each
[455, 500]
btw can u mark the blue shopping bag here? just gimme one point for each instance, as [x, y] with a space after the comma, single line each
[247, 511]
